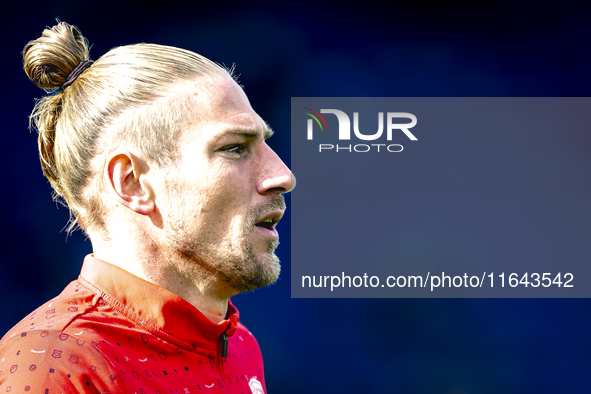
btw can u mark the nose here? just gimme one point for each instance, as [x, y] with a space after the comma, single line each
[275, 177]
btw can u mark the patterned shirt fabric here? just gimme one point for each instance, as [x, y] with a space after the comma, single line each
[112, 332]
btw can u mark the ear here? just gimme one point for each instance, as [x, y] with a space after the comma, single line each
[128, 178]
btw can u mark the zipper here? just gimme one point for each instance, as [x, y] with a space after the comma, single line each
[224, 340]
[223, 358]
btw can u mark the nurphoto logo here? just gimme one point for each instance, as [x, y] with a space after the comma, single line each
[344, 133]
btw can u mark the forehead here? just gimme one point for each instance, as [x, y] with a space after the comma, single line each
[218, 106]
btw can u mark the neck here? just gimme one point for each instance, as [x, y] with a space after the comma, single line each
[184, 278]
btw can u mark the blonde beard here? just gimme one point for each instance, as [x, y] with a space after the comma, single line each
[235, 266]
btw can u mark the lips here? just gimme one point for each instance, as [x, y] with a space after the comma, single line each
[267, 222]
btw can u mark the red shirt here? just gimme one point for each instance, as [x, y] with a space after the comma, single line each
[112, 332]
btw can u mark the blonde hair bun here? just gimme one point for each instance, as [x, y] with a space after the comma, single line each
[49, 59]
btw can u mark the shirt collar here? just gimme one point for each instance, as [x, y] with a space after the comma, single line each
[156, 309]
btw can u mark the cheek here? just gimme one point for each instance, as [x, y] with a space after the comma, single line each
[224, 215]
[219, 190]
[225, 193]
[230, 182]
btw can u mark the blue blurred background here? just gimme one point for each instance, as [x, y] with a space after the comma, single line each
[408, 48]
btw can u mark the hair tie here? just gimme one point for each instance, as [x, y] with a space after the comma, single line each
[75, 73]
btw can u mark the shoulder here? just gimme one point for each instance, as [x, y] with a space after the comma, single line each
[46, 360]
[57, 313]
[39, 355]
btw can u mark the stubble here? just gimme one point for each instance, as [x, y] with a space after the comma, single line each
[237, 265]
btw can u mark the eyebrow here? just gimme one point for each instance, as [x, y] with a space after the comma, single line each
[253, 134]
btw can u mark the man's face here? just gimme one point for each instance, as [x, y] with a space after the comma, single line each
[224, 198]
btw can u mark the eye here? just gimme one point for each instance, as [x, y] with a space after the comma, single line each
[234, 148]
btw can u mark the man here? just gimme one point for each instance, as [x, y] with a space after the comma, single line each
[163, 162]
